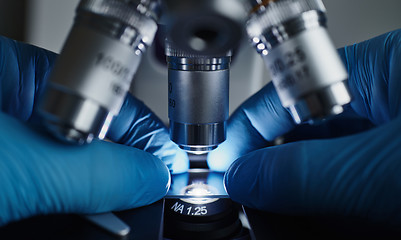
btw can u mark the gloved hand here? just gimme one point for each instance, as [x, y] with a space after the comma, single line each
[357, 175]
[39, 175]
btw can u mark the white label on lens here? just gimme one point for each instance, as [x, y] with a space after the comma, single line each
[96, 67]
[190, 209]
[303, 64]
[177, 207]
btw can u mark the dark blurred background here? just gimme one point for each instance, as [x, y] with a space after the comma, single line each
[13, 19]
[46, 22]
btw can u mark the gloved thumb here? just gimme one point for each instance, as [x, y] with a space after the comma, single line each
[357, 175]
[39, 175]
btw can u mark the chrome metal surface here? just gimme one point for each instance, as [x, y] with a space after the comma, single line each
[198, 137]
[72, 118]
[96, 66]
[321, 103]
[198, 99]
[306, 70]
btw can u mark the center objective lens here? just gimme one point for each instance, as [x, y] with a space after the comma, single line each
[198, 88]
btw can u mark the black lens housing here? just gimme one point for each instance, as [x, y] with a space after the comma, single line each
[183, 220]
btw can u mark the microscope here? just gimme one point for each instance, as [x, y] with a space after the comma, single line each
[102, 53]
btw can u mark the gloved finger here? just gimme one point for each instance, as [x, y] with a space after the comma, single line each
[374, 76]
[24, 70]
[357, 175]
[257, 121]
[343, 124]
[262, 118]
[42, 176]
[136, 125]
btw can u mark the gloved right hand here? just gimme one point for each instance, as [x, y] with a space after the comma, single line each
[356, 175]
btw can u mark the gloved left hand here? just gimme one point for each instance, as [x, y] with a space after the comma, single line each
[39, 175]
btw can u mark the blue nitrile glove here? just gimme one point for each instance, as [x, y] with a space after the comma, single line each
[357, 175]
[39, 175]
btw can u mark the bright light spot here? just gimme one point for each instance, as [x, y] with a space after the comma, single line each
[197, 149]
[199, 193]
[197, 152]
[105, 127]
[141, 46]
[337, 109]
[265, 52]
[260, 46]
[255, 40]
[145, 39]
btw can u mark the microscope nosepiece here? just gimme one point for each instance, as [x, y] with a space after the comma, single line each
[198, 89]
[306, 69]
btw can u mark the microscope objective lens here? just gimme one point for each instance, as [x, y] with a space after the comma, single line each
[95, 68]
[198, 99]
[306, 70]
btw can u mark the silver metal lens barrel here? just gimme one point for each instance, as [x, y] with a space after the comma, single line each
[307, 72]
[94, 70]
[198, 100]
